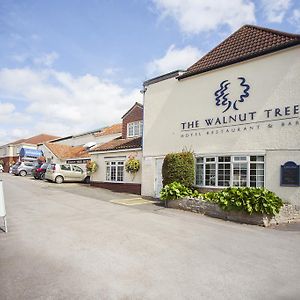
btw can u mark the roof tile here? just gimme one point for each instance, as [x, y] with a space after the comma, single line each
[247, 42]
[65, 151]
[119, 144]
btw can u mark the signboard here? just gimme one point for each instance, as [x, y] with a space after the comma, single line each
[289, 175]
[78, 161]
[28, 152]
[2, 206]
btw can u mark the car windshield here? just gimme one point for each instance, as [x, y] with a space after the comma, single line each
[17, 164]
[44, 166]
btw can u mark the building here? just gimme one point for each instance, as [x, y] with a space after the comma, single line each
[237, 108]
[75, 149]
[65, 154]
[112, 156]
[10, 153]
[97, 136]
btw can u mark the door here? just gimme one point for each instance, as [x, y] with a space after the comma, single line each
[158, 176]
[77, 174]
[66, 172]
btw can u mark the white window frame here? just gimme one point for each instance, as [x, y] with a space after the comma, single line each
[111, 164]
[135, 129]
[240, 158]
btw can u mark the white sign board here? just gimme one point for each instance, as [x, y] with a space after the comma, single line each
[2, 204]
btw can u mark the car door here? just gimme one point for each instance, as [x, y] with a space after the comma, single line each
[77, 173]
[66, 172]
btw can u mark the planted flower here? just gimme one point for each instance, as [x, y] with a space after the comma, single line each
[91, 166]
[132, 165]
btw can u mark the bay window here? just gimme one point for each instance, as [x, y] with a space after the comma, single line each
[224, 171]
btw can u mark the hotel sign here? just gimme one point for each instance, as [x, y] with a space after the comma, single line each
[222, 96]
[288, 115]
[289, 175]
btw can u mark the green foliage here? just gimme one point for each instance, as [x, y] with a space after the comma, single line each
[132, 165]
[250, 200]
[175, 190]
[1, 162]
[179, 167]
[91, 166]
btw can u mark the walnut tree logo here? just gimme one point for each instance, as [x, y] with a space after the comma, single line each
[222, 95]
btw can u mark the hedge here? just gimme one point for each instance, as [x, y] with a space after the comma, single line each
[179, 167]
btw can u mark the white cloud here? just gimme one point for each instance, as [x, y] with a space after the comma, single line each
[195, 16]
[174, 59]
[46, 59]
[62, 104]
[295, 18]
[275, 10]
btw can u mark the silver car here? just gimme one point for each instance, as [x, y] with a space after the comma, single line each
[22, 168]
[60, 173]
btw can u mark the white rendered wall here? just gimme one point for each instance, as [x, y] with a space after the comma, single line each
[100, 159]
[274, 83]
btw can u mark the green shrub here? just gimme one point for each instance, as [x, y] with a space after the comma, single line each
[175, 190]
[250, 200]
[179, 167]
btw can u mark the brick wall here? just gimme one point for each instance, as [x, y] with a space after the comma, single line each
[135, 115]
[8, 160]
[133, 188]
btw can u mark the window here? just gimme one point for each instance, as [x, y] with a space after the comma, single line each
[77, 169]
[115, 171]
[224, 171]
[135, 129]
[65, 167]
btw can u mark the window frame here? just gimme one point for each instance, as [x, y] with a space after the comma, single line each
[202, 160]
[115, 165]
[135, 129]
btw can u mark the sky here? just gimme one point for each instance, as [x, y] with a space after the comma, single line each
[69, 66]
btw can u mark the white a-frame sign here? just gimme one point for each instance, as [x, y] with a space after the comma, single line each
[2, 208]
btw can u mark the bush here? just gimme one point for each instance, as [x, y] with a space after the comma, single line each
[175, 190]
[179, 167]
[250, 200]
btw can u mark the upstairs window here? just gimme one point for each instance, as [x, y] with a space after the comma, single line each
[135, 129]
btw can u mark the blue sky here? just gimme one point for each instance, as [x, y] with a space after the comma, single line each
[70, 66]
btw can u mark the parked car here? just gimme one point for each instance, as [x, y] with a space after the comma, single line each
[1, 168]
[39, 171]
[66, 172]
[36, 166]
[22, 168]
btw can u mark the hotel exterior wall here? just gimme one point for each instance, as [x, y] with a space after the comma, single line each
[274, 159]
[274, 83]
[101, 158]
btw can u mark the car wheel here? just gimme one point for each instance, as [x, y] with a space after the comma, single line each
[59, 179]
[23, 173]
[42, 177]
[87, 179]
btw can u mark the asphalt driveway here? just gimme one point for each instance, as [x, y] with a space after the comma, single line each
[74, 242]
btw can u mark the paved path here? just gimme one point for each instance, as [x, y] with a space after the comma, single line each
[71, 242]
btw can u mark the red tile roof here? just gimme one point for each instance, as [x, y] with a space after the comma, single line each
[34, 140]
[65, 151]
[37, 139]
[113, 129]
[246, 43]
[119, 144]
